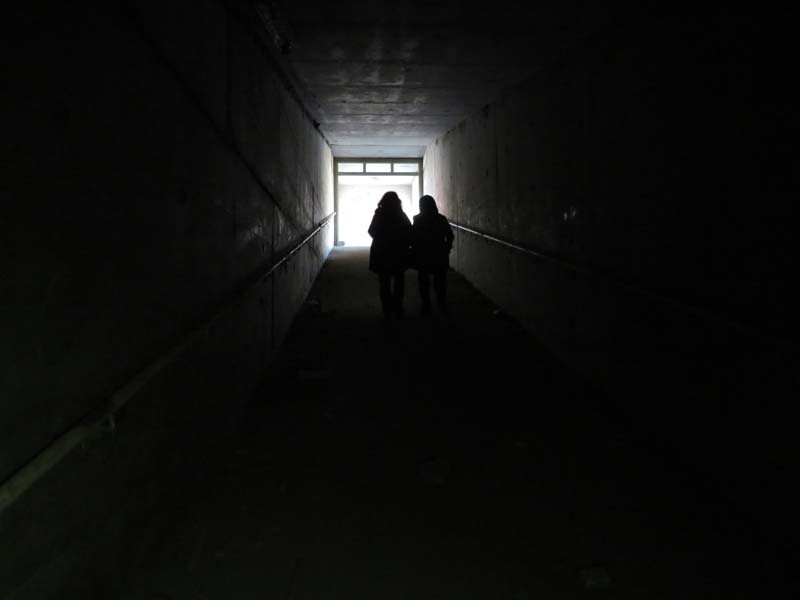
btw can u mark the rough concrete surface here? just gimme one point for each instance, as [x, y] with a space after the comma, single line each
[443, 458]
[157, 162]
[386, 79]
[157, 154]
[641, 167]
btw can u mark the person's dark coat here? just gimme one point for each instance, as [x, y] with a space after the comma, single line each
[391, 238]
[432, 237]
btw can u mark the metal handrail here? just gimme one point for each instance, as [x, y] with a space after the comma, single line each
[104, 416]
[522, 249]
[634, 288]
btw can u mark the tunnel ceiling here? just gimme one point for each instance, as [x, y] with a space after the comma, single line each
[384, 79]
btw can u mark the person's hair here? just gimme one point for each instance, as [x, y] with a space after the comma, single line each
[390, 202]
[427, 205]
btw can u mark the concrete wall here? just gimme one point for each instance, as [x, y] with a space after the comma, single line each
[154, 161]
[655, 157]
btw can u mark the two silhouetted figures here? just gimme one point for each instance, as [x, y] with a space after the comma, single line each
[398, 245]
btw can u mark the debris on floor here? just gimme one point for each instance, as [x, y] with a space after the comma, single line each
[314, 306]
[435, 471]
[316, 373]
[595, 578]
[502, 315]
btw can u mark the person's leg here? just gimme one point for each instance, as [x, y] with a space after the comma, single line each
[440, 287]
[399, 291]
[424, 290]
[384, 280]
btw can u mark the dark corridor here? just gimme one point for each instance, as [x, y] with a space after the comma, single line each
[198, 398]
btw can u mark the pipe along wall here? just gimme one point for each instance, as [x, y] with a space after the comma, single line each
[157, 160]
[654, 161]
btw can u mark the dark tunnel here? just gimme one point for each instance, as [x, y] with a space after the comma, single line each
[201, 399]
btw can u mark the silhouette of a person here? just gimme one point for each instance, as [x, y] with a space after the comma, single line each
[432, 240]
[390, 251]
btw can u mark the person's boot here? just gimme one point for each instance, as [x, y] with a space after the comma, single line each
[441, 303]
[399, 311]
[443, 308]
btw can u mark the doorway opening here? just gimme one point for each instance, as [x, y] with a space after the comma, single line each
[358, 186]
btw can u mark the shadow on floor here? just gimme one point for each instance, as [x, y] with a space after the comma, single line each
[444, 458]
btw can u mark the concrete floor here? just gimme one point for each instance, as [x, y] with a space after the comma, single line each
[443, 458]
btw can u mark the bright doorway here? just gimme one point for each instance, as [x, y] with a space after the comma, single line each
[359, 185]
